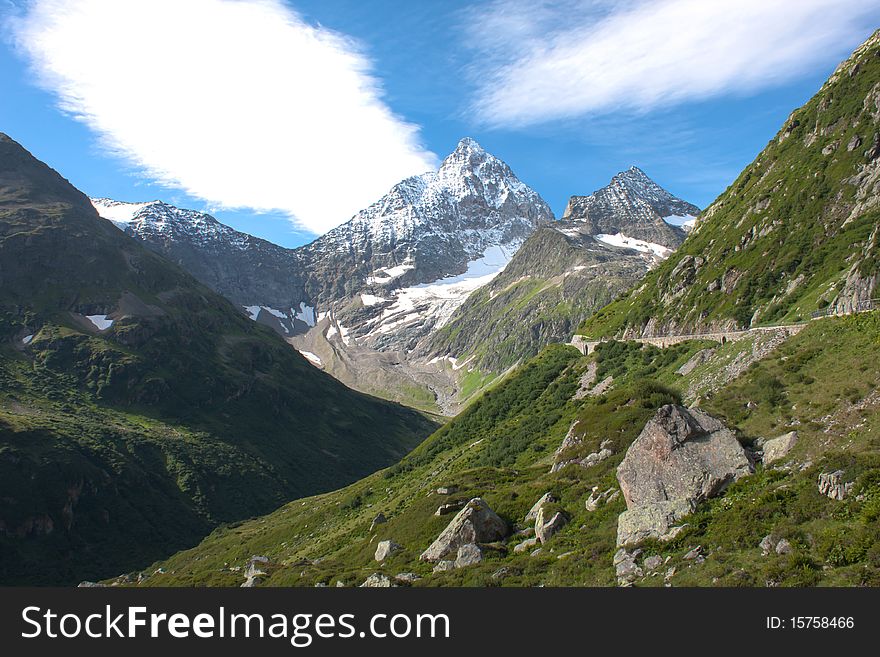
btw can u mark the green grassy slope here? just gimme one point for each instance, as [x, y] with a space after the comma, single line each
[130, 443]
[500, 448]
[795, 233]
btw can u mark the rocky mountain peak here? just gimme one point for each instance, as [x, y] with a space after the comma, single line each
[635, 206]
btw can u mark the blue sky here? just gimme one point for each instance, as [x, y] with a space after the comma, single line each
[345, 97]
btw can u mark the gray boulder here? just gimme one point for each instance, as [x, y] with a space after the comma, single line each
[778, 448]
[526, 545]
[386, 549]
[475, 523]
[546, 498]
[443, 566]
[681, 457]
[376, 581]
[468, 555]
[546, 527]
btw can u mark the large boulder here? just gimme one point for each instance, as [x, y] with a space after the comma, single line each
[546, 525]
[681, 457]
[475, 523]
[386, 549]
[778, 448]
[546, 498]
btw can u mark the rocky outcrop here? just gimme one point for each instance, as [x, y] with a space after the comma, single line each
[377, 581]
[634, 205]
[778, 448]
[695, 361]
[681, 457]
[598, 497]
[832, 485]
[475, 523]
[546, 526]
[386, 549]
[546, 498]
[255, 571]
[565, 453]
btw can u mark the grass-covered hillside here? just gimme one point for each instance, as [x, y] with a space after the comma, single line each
[796, 233]
[559, 276]
[821, 382]
[122, 443]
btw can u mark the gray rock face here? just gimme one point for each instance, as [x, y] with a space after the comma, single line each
[546, 527]
[386, 549]
[625, 567]
[778, 448]
[695, 361]
[832, 485]
[634, 205]
[546, 498]
[680, 458]
[468, 555]
[475, 523]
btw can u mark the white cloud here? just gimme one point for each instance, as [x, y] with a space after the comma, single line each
[555, 60]
[237, 102]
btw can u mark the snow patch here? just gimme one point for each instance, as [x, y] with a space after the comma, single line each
[27, 339]
[100, 321]
[440, 299]
[312, 358]
[253, 311]
[387, 274]
[119, 212]
[305, 314]
[682, 220]
[372, 300]
[621, 240]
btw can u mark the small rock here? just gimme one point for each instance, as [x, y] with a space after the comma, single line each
[386, 549]
[527, 544]
[378, 520]
[565, 555]
[693, 554]
[652, 562]
[320, 585]
[501, 573]
[406, 578]
[468, 555]
[767, 545]
[536, 552]
[255, 571]
[340, 584]
[443, 566]
[783, 547]
[445, 509]
[376, 581]
[447, 490]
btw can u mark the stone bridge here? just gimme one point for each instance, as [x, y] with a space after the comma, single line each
[588, 346]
